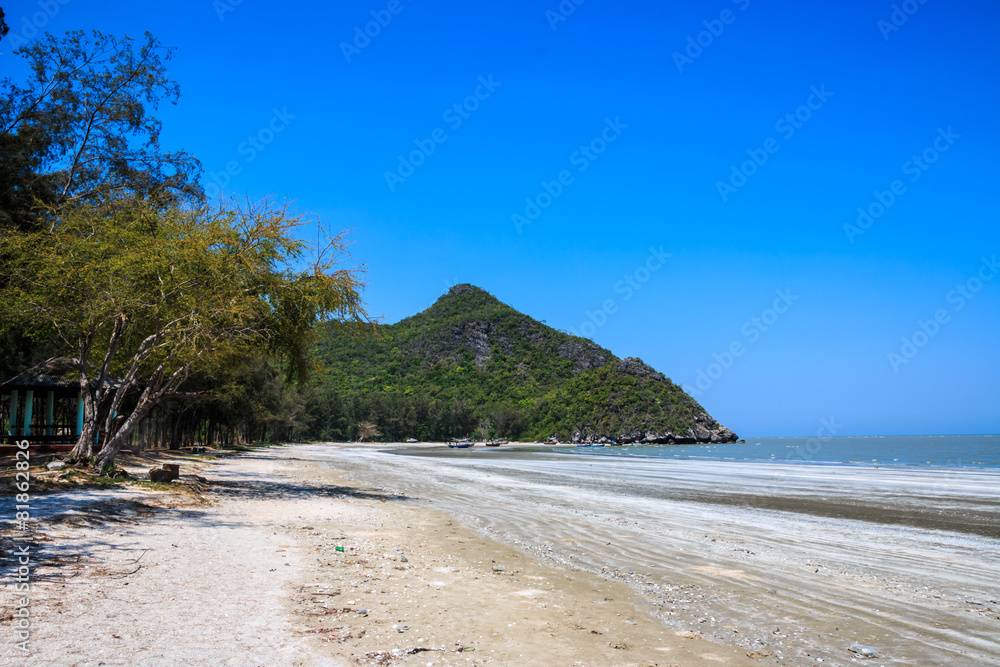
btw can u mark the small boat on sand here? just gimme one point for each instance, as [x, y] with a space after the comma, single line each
[464, 443]
[496, 443]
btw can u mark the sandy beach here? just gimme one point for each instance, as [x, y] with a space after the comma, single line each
[249, 574]
[472, 557]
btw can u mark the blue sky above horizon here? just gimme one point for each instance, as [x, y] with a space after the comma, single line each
[673, 129]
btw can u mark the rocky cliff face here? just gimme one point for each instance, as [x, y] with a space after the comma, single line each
[584, 356]
[479, 337]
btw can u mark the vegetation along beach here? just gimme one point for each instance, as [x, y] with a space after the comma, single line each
[539, 333]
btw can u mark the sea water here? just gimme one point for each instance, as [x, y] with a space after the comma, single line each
[979, 451]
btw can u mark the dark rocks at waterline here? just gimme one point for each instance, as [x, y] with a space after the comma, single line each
[696, 435]
[723, 434]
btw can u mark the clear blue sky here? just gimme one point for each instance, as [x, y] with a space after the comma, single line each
[679, 123]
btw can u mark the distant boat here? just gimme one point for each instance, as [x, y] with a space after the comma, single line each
[460, 445]
[496, 443]
[412, 440]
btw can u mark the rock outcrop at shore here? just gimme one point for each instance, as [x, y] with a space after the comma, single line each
[696, 435]
[643, 379]
[471, 363]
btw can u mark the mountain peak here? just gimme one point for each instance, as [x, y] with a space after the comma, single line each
[466, 288]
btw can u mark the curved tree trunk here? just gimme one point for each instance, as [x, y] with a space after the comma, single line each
[109, 451]
[84, 448]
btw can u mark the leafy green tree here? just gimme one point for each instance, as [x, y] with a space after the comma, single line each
[509, 421]
[143, 296]
[81, 129]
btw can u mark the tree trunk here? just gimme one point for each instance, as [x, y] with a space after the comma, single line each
[84, 448]
[109, 451]
[175, 440]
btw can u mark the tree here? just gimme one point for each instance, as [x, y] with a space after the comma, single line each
[367, 430]
[80, 128]
[141, 296]
[3, 25]
[509, 422]
[484, 430]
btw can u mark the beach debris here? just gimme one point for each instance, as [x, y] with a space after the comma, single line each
[340, 549]
[55, 465]
[381, 657]
[862, 650]
[387, 657]
[362, 612]
[402, 559]
[758, 655]
[168, 472]
[621, 646]
[498, 568]
[689, 634]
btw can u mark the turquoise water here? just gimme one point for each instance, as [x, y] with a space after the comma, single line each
[980, 451]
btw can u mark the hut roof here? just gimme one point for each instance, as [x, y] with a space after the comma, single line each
[55, 374]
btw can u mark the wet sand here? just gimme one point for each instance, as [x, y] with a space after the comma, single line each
[796, 562]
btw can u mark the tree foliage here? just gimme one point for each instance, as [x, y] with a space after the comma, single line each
[143, 296]
[81, 129]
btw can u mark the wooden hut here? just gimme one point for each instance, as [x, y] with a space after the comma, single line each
[43, 406]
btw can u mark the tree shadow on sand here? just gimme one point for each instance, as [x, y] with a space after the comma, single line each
[247, 488]
[74, 533]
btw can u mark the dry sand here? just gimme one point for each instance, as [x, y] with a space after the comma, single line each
[248, 573]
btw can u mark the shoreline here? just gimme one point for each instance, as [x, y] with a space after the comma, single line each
[603, 563]
[948, 513]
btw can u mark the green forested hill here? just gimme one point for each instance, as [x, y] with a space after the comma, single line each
[470, 364]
